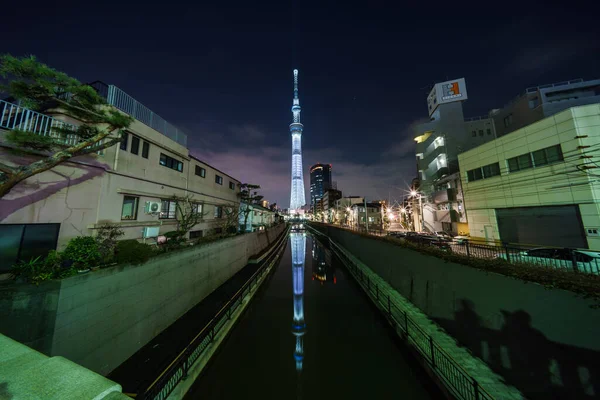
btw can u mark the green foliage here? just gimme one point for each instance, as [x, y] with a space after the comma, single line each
[83, 252]
[27, 140]
[133, 252]
[106, 238]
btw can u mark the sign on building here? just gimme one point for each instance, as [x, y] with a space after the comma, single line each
[446, 92]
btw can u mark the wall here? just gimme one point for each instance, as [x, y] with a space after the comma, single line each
[544, 342]
[100, 319]
[560, 183]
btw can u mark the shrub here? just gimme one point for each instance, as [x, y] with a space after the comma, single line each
[107, 236]
[83, 252]
[132, 252]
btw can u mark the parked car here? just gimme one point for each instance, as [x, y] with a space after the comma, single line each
[444, 234]
[587, 261]
[397, 234]
[427, 239]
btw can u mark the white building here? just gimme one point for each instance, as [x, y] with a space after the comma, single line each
[539, 184]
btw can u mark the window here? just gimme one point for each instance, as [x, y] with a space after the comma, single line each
[488, 131]
[474, 175]
[197, 208]
[481, 132]
[218, 212]
[231, 185]
[508, 120]
[168, 209]
[491, 170]
[135, 145]
[130, 207]
[219, 179]
[201, 172]
[547, 156]
[170, 162]
[124, 141]
[145, 149]
[474, 133]
[519, 163]
[195, 234]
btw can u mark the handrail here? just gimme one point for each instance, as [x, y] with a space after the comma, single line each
[446, 367]
[13, 116]
[179, 367]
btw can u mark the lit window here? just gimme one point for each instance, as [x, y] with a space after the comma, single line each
[218, 211]
[219, 179]
[129, 208]
[197, 208]
[201, 172]
[170, 162]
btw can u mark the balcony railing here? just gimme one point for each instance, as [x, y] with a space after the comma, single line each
[124, 102]
[13, 116]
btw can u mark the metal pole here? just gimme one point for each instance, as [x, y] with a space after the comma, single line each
[422, 216]
[366, 217]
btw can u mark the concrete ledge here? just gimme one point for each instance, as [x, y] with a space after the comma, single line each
[27, 374]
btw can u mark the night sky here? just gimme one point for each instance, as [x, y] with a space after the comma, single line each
[222, 71]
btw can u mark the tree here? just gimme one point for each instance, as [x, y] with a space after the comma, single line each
[230, 220]
[248, 195]
[39, 87]
[189, 213]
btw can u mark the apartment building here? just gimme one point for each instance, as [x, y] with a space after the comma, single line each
[538, 184]
[133, 185]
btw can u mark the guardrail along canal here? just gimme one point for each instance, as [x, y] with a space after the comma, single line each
[311, 333]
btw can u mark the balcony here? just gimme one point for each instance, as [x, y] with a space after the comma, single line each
[13, 116]
[124, 102]
[443, 196]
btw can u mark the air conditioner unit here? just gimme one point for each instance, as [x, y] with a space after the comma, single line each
[152, 207]
[150, 231]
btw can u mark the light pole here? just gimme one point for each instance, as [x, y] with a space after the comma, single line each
[414, 193]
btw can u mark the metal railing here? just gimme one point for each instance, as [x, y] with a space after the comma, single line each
[13, 116]
[452, 375]
[124, 102]
[178, 369]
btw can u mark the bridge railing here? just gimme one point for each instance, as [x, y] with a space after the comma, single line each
[452, 375]
[179, 368]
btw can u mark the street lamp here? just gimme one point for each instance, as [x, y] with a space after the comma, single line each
[416, 194]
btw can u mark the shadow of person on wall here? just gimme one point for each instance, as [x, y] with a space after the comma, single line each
[523, 355]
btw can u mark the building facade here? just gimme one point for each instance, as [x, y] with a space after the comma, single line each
[370, 216]
[320, 182]
[537, 185]
[134, 185]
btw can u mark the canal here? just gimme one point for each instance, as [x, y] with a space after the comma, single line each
[311, 333]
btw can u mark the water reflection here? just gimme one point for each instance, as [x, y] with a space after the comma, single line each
[322, 269]
[298, 243]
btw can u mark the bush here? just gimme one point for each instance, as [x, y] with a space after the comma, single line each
[83, 252]
[132, 252]
[107, 236]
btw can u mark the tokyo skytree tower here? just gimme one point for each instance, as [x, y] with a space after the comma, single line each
[298, 244]
[297, 199]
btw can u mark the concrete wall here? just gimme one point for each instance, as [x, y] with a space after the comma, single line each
[100, 319]
[544, 342]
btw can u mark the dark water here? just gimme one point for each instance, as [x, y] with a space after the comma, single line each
[311, 333]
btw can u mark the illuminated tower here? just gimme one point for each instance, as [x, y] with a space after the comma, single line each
[298, 327]
[297, 199]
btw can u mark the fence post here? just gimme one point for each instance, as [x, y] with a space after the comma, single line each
[185, 366]
[431, 349]
[467, 247]
[506, 251]
[475, 390]
[573, 260]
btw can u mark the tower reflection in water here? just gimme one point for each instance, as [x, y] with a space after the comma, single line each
[298, 242]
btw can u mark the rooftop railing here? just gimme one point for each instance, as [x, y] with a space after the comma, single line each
[13, 116]
[124, 102]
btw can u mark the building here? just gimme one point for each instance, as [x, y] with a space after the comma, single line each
[537, 103]
[328, 204]
[259, 217]
[343, 209]
[372, 215]
[297, 199]
[134, 185]
[538, 184]
[320, 181]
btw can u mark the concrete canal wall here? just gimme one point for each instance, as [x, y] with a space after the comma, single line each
[100, 319]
